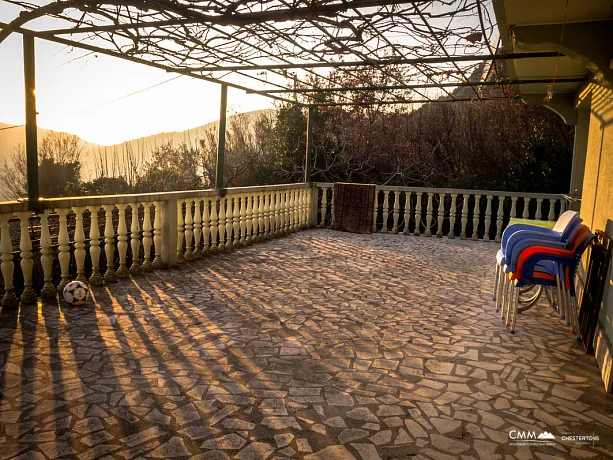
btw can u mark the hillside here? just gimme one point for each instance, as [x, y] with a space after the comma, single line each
[11, 138]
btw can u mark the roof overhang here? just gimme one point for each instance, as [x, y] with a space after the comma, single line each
[582, 32]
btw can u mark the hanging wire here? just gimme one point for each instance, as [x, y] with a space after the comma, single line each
[10, 127]
[549, 95]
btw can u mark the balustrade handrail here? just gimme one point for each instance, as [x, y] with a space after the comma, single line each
[85, 201]
[460, 191]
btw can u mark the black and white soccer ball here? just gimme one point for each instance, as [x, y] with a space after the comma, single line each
[76, 293]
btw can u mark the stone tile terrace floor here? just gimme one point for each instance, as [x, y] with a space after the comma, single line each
[319, 345]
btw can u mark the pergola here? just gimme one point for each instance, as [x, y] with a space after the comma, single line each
[310, 53]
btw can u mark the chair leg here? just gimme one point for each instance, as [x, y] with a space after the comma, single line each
[496, 281]
[505, 299]
[501, 283]
[513, 293]
[559, 296]
[515, 304]
[570, 320]
[575, 308]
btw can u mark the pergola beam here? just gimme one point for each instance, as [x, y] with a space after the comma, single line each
[116, 54]
[417, 86]
[242, 19]
[378, 62]
[414, 101]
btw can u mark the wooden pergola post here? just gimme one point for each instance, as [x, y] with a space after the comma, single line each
[308, 162]
[29, 72]
[221, 142]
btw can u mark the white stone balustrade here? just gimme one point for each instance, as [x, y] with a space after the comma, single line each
[466, 210]
[102, 239]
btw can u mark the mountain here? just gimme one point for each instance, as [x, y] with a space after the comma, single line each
[11, 138]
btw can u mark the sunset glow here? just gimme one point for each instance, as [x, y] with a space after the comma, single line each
[85, 94]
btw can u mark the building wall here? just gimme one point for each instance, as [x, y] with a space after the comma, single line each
[597, 202]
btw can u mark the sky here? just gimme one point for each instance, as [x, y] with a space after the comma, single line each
[78, 94]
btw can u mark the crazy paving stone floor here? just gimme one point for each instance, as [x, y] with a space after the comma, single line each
[320, 345]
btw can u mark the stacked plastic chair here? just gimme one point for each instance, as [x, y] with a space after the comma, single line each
[532, 255]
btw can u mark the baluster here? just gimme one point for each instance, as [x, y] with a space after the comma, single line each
[488, 218]
[122, 242]
[500, 218]
[285, 215]
[197, 229]
[46, 258]
[417, 230]
[284, 212]
[248, 221]
[552, 209]
[242, 224]
[386, 213]
[429, 215]
[206, 226]
[526, 213]
[229, 222]
[538, 215]
[276, 218]
[258, 217]
[290, 210]
[276, 204]
[289, 202]
[214, 226]
[221, 226]
[135, 268]
[147, 240]
[63, 250]
[281, 206]
[513, 207]
[189, 230]
[396, 212]
[27, 264]
[158, 235]
[324, 206]
[236, 221]
[375, 212]
[476, 216]
[308, 209]
[452, 216]
[441, 214]
[266, 230]
[270, 227]
[300, 210]
[255, 219]
[79, 244]
[464, 215]
[9, 300]
[407, 212]
[180, 232]
[296, 203]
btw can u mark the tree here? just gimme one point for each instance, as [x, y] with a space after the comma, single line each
[171, 168]
[59, 167]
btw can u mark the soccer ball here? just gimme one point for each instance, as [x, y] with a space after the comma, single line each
[76, 293]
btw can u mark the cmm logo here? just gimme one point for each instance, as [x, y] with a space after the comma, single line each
[531, 436]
